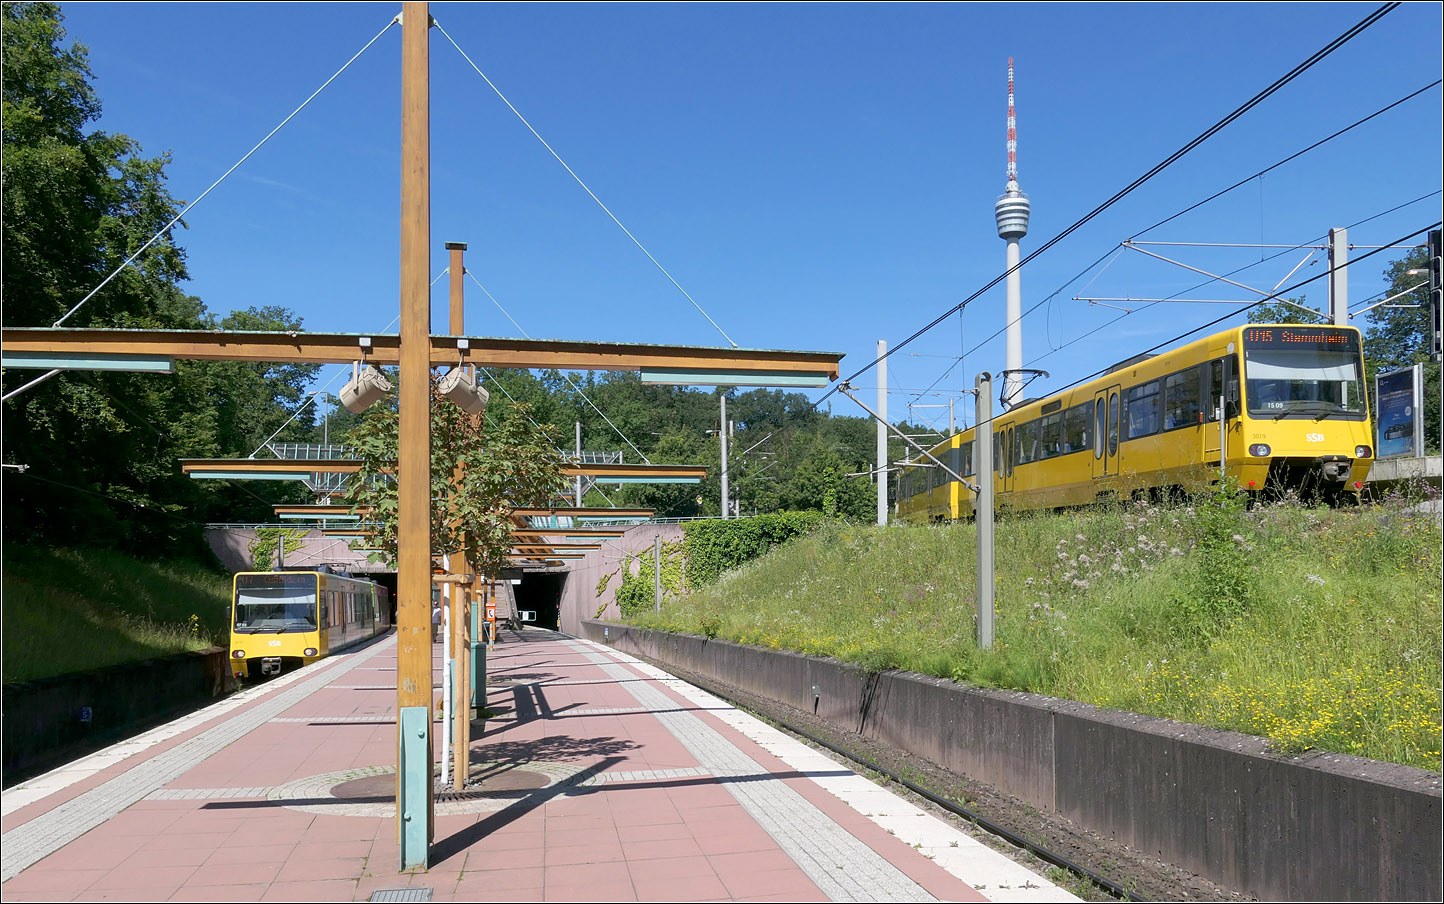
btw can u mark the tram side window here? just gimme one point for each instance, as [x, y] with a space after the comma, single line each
[1142, 410]
[1028, 442]
[967, 454]
[1181, 403]
[1051, 435]
[1075, 429]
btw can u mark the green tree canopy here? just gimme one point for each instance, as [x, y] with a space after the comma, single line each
[101, 448]
[1399, 335]
[478, 475]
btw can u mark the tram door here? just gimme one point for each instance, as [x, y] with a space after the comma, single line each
[1006, 457]
[1105, 432]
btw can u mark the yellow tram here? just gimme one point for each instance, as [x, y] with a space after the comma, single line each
[1295, 416]
[292, 618]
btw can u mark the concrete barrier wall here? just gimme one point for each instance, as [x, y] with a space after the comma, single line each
[1312, 827]
[43, 718]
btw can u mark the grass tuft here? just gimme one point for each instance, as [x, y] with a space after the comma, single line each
[1314, 628]
[74, 610]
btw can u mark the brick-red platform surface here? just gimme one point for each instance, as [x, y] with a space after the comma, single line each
[662, 839]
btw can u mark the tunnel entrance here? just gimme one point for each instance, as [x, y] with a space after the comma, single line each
[541, 592]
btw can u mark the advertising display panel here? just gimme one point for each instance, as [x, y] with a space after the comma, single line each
[1399, 414]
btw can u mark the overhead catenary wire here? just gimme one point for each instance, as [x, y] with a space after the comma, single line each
[1293, 156]
[1239, 111]
[1287, 248]
[1246, 306]
[191, 206]
[584, 186]
[569, 380]
[1297, 247]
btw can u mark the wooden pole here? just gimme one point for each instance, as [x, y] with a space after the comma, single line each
[413, 580]
[460, 645]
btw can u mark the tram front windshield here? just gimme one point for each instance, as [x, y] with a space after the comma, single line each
[1303, 372]
[275, 603]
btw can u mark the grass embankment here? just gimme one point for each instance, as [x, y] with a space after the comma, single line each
[1313, 628]
[73, 610]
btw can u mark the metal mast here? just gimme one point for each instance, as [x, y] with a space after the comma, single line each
[1012, 211]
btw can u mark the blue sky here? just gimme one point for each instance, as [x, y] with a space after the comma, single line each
[817, 176]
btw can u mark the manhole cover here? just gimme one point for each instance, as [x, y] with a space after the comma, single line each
[380, 789]
[371, 791]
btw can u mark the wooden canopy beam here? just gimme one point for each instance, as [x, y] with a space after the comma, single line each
[582, 513]
[344, 466]
[343, 348]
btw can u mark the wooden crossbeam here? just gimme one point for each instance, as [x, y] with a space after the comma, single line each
[582, 513]
[320, 511]
[345, 466]
[343, 348]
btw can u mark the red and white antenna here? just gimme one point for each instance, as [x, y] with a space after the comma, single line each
[1012, 134]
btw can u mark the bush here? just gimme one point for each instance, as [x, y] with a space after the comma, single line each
[715, 545]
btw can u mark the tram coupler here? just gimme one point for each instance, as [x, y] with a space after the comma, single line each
[270, 666]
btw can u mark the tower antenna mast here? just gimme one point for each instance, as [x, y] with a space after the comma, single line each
[1011, 212]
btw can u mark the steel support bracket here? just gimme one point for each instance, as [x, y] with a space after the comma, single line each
[413, 781]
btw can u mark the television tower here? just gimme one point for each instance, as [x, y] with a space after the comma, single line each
[1011, 212]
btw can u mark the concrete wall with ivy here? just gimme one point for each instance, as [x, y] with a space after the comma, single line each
[235, 548]
[592, 582]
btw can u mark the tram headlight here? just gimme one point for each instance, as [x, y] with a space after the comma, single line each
[1259, 450]
[309, 651]
[1362, 452]
[239, 654]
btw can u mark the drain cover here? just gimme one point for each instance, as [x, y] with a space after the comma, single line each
[401, 894]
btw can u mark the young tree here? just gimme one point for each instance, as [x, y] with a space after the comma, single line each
[478, 475]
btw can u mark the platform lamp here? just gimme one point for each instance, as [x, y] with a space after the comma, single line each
[367, 385]
[459, 386]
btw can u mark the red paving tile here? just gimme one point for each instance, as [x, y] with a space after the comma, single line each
[68, 880]
[682, 839]
[234, 874]
[690, 888]
[219, 893]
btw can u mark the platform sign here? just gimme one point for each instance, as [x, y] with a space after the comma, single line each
[1398, 413]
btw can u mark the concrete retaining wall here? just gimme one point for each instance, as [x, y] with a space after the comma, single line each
[43, 718]
[1312, 827]
[580, 599]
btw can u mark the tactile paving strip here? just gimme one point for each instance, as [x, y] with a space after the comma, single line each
[842, 866]
[50, 831]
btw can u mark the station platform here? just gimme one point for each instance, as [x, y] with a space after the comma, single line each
[602, 779]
